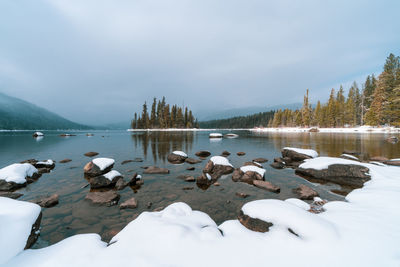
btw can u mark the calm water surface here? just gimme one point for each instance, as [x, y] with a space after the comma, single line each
[74, 215]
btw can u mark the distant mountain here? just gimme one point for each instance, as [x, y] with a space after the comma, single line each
[236, 112]
[17, 114]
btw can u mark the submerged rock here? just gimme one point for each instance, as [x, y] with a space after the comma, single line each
[241, 194]
[305, 193]
[129, 204]
[48, 202]
[108, 198]
[192, 161]
[241, 153]
[12, 195]
[203, 153]
[190, 168]
[260, 160]
[156, 170]
[65, 160]
[266, 186]
[225, 153]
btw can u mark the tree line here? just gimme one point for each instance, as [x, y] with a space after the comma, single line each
[163, 116]
[377, 103]
[256, 120]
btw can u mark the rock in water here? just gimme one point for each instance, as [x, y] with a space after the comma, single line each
[65, 160]
[98, 166]
[241, 153]
[91, 154]
[203, 153]
[108, 198]
[177, 157]
[297, 154]
[192, 161]
[260, 160]
[129, 204]
[48, 202]
[266, 186]
[156, 170]
[305, 193]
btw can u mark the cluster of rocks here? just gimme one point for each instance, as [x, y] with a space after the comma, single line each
[291, 158]
[214, 169]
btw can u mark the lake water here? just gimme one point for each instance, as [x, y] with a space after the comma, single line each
[74, 215]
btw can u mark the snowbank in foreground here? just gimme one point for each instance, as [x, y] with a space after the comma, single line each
[16, 220]
[362, 129]
[364, 231]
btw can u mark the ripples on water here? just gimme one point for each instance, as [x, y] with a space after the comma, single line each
[74, 215]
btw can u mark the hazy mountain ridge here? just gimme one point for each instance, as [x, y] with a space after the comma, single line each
[17, 114]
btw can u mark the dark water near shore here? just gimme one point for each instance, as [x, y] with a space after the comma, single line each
[74, 215]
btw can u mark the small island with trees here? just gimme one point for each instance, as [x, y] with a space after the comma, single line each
[163, 116]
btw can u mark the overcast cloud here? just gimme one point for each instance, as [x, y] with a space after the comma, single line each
[97, 61]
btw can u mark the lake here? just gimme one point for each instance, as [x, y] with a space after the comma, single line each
[74, 215]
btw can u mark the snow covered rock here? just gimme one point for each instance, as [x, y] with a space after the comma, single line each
[335, 170]
[298, 154]
[248, 173]
[177, 157]
[156, 170]
[108, 179]
[305, 193]
[37, 134]
[215, 135]
[218, 166]
[17, 175]
[108, 198]
[19, 227]
[98, 166]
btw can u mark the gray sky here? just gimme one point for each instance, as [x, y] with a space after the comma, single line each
[97, 61]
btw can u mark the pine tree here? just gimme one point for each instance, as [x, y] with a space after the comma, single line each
[317, 117]
[306, 111]
[340, 108]
[153, 114]
[375, 115]
[331, 111]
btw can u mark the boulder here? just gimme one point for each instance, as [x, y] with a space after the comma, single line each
[47, 164]
[48, 202]
[91, 154]
[135, 180]
[192, 161]
[241, 153]
[98, 166]
[190, 179]
[305, 193]
[177, 157]
[129, 204]
[108, 198]
[277, 165]
[204, 181]
[266, 186]
[218, 166]
[156, 170]
[254, 224]
[12, 195]
[343, 174]
[203, 153]
[35, 232]
[190, 168]
[65, 160]
[108, 179]
[295, 155]
[17, 175]
[121, 184]
[260, 160]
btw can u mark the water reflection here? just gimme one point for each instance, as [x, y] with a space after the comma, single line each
[163, 143]
[334, 144]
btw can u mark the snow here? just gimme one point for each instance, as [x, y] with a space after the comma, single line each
[349, 156]
[16, 220]
[219, 160]
[308, 152]
[363, 231]
[231, 135]
[38, 134]
[215, 135]
[48, 162]
[395, 159]
[180, 153]
[361, 129]
[322, 163]
[103, 163]
[208, 176]
[252, 168]
[112, 174]
[17, 172]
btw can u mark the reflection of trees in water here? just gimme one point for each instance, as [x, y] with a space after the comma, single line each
[162, 143]
[333, 144]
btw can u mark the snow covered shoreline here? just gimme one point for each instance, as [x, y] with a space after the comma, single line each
[364, 231]
[362, 129]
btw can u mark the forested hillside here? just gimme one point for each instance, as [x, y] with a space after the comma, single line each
[250, 121]
[376, 103]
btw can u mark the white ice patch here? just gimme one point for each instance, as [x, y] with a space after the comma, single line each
[111, 175]
[322, 163]
[215, 135]
[253, 168]
[16, 220]
[103, 163]
[208, 176]
[180, 153]
[309, 152]
[219, 160]
[48, 162]
[17, 172]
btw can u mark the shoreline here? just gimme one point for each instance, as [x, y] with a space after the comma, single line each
[361, 129]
